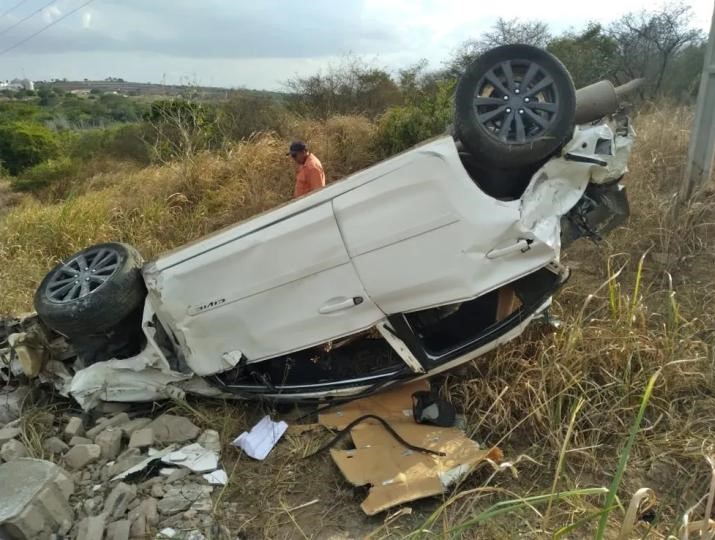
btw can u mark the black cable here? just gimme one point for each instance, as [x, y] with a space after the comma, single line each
[28, 38]
[389, 429]
[12, 8]
[48, 4]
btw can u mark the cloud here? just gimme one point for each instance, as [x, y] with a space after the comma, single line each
[87, 20]
[51, 13]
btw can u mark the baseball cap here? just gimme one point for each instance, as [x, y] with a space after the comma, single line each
[296, 146]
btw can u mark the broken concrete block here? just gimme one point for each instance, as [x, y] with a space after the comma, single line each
[177, 474]
[142, 438]
[118, 500]
[74, 441]
[104, 423]
[9, 432]
[39, 504]
[74, 428]
[130, 427]
[119, 530]
[11, 403]
[157, 491]
[139, 527]
[180, 498]
[110, 442]
[55, 445]
[125, 461]
[148, 509]
[82, 455]
[210, 440]
[12, 450]
[91, 528]
[169, 428]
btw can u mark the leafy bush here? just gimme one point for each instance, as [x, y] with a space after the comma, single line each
[243, 115]
[402, 127]
[24, 144]
[124, 142]
[51, 172]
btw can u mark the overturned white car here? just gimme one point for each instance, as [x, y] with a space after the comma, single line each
[403, 270]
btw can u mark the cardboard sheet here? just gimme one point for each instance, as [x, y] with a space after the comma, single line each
[394, 473]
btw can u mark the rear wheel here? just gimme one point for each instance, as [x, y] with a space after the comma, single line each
[514, 106]
[92, 291]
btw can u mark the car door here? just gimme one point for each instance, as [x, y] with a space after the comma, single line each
[424, 234]
[284, 287]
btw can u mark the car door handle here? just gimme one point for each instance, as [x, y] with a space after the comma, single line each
[521, 245]
[338, 304]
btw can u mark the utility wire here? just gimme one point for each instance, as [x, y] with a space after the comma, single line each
[48, 4]
[12, 8]
[28, 38]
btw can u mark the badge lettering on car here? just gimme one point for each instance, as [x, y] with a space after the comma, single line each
[195, 310]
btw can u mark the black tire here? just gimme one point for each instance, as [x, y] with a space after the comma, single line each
[110, 289]
[509, 127]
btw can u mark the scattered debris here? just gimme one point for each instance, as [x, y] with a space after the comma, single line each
[194, 457]
[398, 475]
[258, 442]
[218, 477]
[142, 464]
[55, 445]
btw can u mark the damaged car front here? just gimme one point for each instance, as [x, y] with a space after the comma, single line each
[406, 269]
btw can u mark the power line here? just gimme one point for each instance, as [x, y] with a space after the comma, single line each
[28, 38]
[48, 4]
[12, 8]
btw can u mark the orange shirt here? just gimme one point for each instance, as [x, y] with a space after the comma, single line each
[310, 176]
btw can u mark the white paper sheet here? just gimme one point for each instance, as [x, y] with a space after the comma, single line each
[258, 442]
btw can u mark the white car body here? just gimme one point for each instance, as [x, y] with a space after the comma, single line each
[407, 234]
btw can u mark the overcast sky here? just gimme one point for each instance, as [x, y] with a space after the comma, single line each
[261, 43]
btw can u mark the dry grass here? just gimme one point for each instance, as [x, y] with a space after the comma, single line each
[639, 304]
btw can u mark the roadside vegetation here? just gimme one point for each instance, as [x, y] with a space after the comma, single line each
[618, 397]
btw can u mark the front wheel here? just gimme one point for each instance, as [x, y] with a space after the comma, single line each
[92, 291]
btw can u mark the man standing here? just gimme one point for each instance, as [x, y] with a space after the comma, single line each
[310, 174]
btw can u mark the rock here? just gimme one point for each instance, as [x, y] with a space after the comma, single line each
[104, 423]
[130, 427]
[12, 450]
[55, 445]
[210, 440]
[74, 428]
[177, 499]
[157, 491]
[39, 504]
[143, 517]
[178, 474]
[11, 403]
[9, 432]
[119, 530]
[74, 441]
[125, 461]
[91, 528]
[118, 500]
[169, 428]
[110, 442]
[81, 455]
[142, 438]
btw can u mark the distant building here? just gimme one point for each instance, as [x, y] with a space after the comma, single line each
[17, 84]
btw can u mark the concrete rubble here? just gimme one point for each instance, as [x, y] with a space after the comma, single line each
[111, 479]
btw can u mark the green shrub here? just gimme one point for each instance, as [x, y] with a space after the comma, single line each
[51, 172]
[402, 127]
[24, 144]
[123, 142]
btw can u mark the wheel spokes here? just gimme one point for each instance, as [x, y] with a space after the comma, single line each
[506, 126]
[494, 80]
[82, 275]
[509, 74]
[520, 132]
[541, 105]
[491, 114]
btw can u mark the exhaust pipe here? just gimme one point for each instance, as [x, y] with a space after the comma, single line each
[601, 99]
